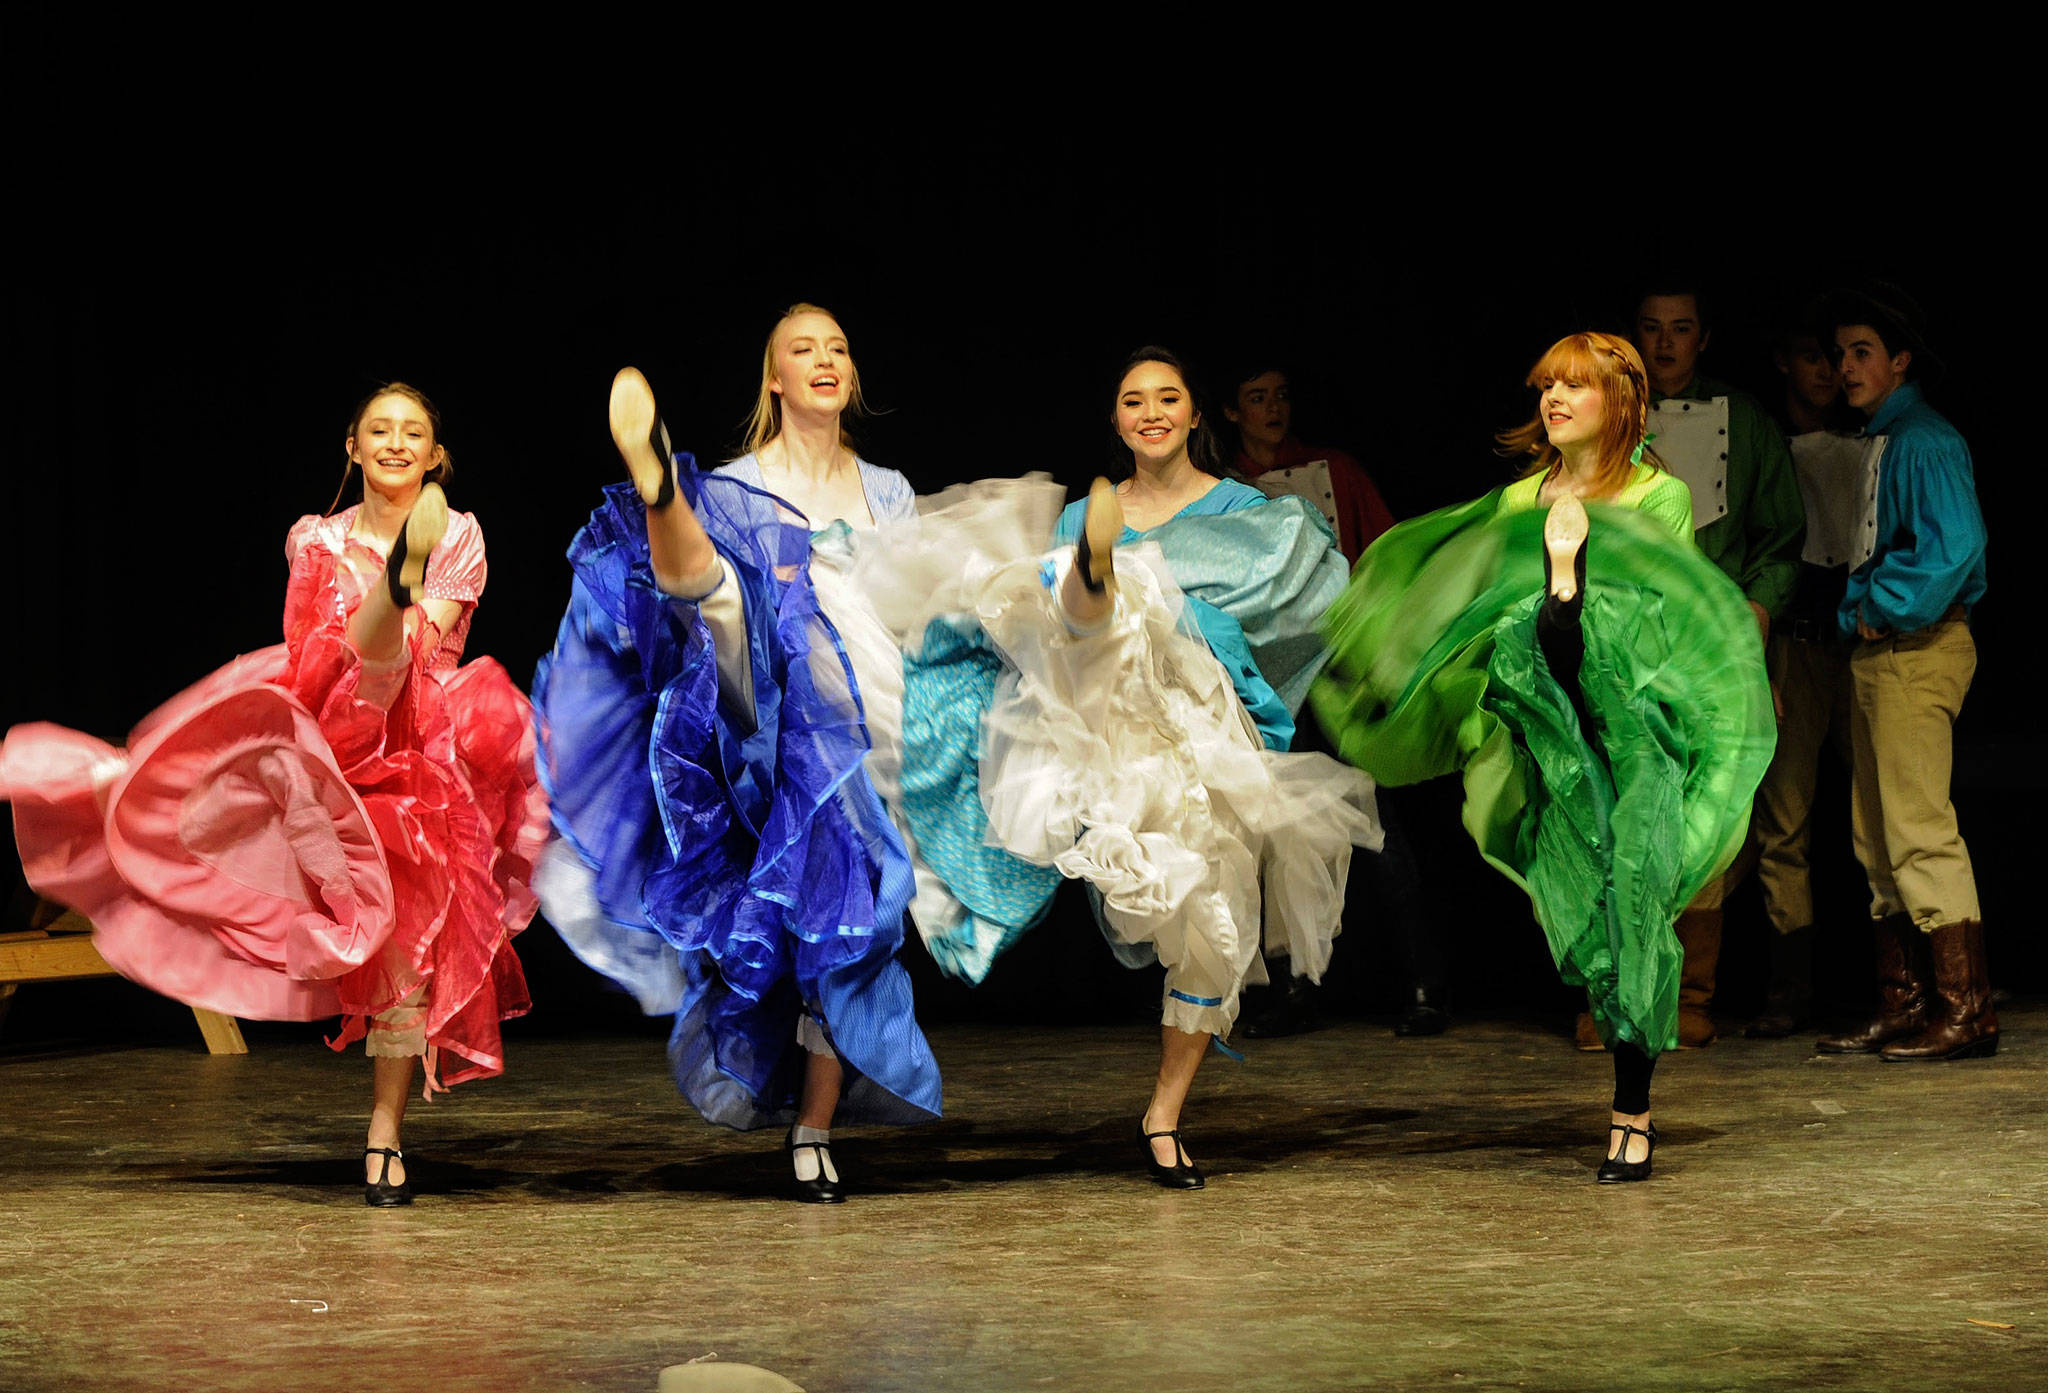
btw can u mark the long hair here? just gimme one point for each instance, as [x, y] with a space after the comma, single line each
[1613, 365]
[766, 421]
[439, 474]
[1205, 448]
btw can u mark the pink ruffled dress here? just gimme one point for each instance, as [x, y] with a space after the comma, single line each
[301, 834]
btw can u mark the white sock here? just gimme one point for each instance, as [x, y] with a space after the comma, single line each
[809, 1162]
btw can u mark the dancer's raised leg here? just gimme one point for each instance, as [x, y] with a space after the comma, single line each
[1631, 1139]
[377, 629]
[684, 561]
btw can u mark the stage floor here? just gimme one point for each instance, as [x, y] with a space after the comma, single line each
[1381, 1213]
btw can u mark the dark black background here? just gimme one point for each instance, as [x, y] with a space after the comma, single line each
[191, 316]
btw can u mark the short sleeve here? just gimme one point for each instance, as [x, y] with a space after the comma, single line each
[1229, 496]
[889, 493]
[1068, 528]
[457, 569]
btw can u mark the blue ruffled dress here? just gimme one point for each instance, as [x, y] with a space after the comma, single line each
[736, 868]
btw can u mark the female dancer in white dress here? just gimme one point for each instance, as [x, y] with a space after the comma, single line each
[1132, 726]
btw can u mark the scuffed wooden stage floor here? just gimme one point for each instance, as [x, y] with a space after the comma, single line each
[1380, 1214]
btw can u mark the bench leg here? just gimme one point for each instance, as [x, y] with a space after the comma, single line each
[223, 1034]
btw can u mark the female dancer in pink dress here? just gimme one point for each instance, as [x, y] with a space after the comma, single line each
[342, 824]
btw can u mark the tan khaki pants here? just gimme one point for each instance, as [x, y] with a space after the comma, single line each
[1906, 692]
[1812, 680]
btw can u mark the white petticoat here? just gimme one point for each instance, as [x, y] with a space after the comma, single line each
[1123, 756]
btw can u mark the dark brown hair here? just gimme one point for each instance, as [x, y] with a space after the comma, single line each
[440, 473]
[1205, 450]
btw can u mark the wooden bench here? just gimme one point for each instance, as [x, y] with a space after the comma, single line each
[61, 948]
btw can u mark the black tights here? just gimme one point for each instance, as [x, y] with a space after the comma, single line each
[1632, 1080]
[1564, 649]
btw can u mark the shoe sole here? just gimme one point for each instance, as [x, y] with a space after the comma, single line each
[1102, 525]
[1564, 532]
[425, 526]
[632, 422]
[1976, 1049]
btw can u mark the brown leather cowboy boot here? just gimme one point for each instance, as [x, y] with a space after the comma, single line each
[1964, 1025]
[1699, 934]
[1901, 990]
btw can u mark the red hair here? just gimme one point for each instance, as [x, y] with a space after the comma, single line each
[1612, 365]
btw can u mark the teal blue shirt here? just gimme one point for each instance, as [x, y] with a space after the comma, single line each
[1930, 531]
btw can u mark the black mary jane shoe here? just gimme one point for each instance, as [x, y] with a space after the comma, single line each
[1616, 1171]
[1095, 548]
[642, 439]
[381, 1193]
[1183, 1174]
[823, 1189]
[1565, 528]
[405, 569]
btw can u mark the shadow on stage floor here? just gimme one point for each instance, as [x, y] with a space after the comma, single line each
[1380, 1213]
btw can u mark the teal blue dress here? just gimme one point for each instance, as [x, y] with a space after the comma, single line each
[1256, 575]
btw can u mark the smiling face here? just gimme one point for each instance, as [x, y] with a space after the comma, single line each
[393, 444]
[1265, 409]
[1670, 335]
[1155, 413]
[1870, 372]
[813, 371]
[1572, 410]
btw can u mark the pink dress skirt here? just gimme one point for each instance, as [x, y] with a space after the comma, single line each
[299, 835]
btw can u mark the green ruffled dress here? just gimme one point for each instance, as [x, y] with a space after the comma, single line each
[1435, 667]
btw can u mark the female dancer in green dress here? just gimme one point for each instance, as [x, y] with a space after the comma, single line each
[1597, 681]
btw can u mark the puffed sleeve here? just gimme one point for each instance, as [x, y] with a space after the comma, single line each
[457, 569]
[1941, 538]
[894, 499]
[1670, 502]
[296, 538]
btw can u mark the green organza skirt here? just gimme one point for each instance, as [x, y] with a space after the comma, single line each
[1435, 667]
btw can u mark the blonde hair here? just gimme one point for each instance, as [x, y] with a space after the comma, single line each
[439, 474]
[1613, 365]
[766, 422]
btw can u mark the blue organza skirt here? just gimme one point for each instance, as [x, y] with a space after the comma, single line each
[736, 868]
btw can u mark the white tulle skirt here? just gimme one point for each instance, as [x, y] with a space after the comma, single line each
[1123, 757]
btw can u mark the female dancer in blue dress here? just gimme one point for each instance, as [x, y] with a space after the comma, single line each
[1116, 712]
[722, 846]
